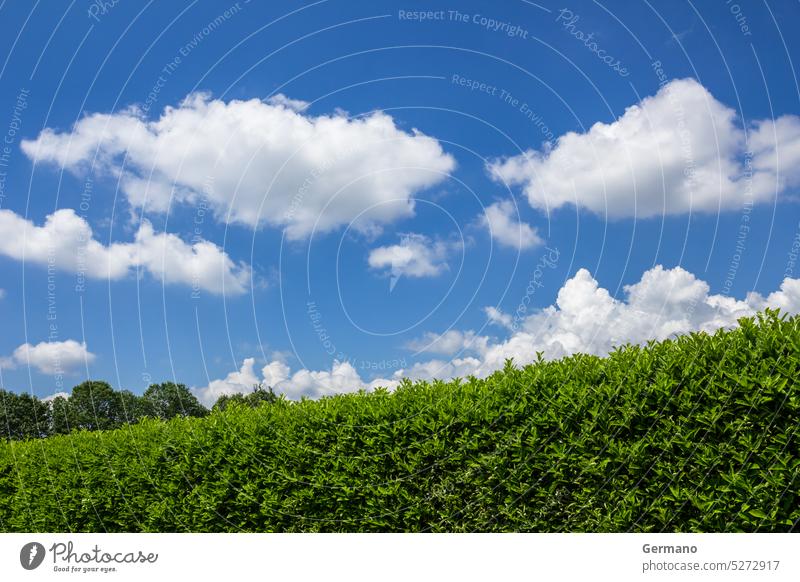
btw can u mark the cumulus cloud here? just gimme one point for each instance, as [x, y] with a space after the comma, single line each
[586, 318]
[52, 357]
[415, 256]
[501, 220]
[256, 162]
[65, 240]
[680, 150]
[241, 381]
[341, 378]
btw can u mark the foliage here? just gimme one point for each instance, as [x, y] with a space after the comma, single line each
[23, 416]
[694, 434]
[257, 397]
[93, 405]
[168, 400]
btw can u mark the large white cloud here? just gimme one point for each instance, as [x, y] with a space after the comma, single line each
[257, 162]
[585, 318]
[66, 242]
[56, 357]
[680, 150]
[502, 222]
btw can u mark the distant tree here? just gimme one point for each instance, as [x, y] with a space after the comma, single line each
[97, 406]
[168, 400]
[23, 416]
[226, 400]
[63, 419]
[260, 395]
[132, 408]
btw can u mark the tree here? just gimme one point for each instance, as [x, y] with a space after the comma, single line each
[226, 400]
[96, 406]
[62, 417]
[168, 400]
[23, 416]
[260, 395]
[132, 408]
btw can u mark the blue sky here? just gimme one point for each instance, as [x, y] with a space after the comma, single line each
[182, 135]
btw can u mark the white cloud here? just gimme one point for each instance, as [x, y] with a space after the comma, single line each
[239, 382]
[257, 163]
[441, 369]
[677, 151]
[52, 357]
[341, 378]
[294, 104]
[498, 317]
[66, 241]
[275, 372]
[415, 256]
[501, 219]
[203, 264]
[51, 397]
[585, 318]
[2, 293]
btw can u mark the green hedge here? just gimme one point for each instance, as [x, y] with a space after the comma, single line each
[695, 434]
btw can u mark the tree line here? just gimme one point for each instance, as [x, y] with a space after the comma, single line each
[95, 405]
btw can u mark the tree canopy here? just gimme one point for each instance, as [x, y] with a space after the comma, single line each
[96, 405]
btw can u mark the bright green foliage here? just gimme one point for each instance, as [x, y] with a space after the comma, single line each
[694, 434]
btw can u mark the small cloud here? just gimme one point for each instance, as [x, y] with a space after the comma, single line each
[52, 357]
[282, 100]
[415, 256]
[501, 220]
[497, 317]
